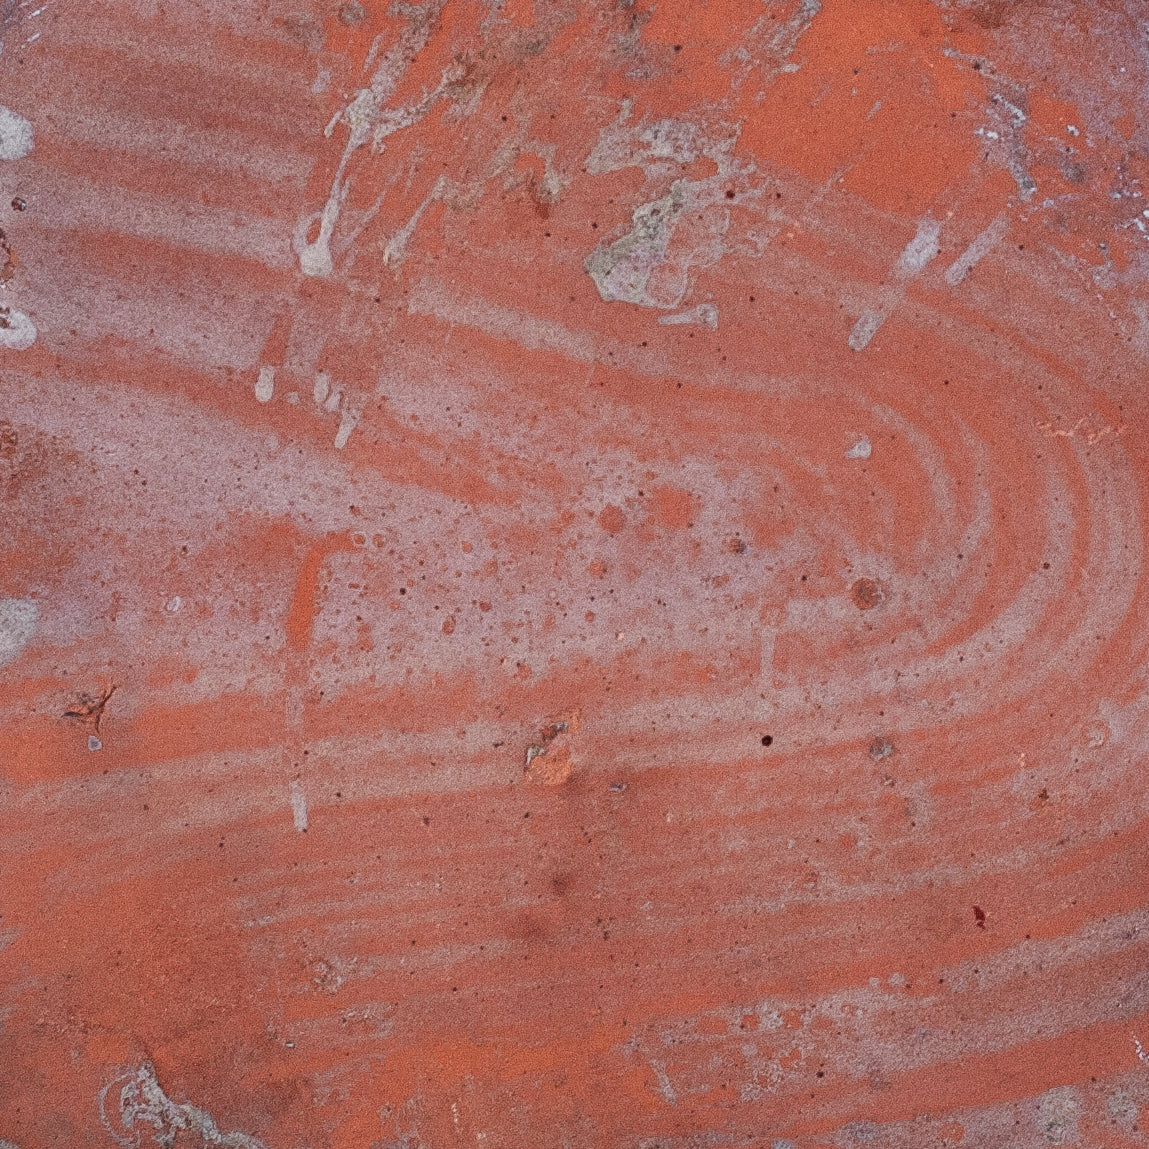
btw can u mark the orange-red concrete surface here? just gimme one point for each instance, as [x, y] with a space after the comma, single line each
[573, 574]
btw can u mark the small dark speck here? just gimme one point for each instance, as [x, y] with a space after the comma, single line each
[19, 203]
[617, 787]
[767, 739]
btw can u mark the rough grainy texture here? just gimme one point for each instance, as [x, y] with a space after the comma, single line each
[572, 574]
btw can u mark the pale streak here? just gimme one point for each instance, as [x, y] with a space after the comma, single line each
[913, 260]
[983, 243]
[298, 807]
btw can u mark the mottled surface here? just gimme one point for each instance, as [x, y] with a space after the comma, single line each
[572, 574]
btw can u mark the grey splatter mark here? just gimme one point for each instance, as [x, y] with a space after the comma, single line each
[623, 145]
[94, 743]
[881, 748]
[143, 1102]
[18, 618]
[1005, 137]
[862, 449]
[769, 45]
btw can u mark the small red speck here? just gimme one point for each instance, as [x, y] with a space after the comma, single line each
[979, 917]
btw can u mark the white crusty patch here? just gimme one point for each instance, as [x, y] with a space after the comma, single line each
[17, 331]
[265, 384]
[640, 267]
[142, 1102]
[18, 618]
[16, 136]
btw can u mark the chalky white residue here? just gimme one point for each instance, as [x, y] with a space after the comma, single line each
[18, 618]
[16, 329]
[143, 1102]
[265, 384]
[298, 807]
[16, 136]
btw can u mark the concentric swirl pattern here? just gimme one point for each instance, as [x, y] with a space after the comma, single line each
[572, 574]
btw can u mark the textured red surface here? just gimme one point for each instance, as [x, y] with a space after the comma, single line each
[617, 534]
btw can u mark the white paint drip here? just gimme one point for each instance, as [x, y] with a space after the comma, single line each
[983, 243]
[860, 450]
[298, 807]
[348, 420]
[18, 618]
[913, 260]
[16, 136]
[265, 384]
[173, 604]
[143, 1102]
[17, 331]
[370, 122]
[322, 386]
[1141, 1054]
[704, 315]
[396, 250]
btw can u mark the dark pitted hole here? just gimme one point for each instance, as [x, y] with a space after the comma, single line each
[767, 739]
